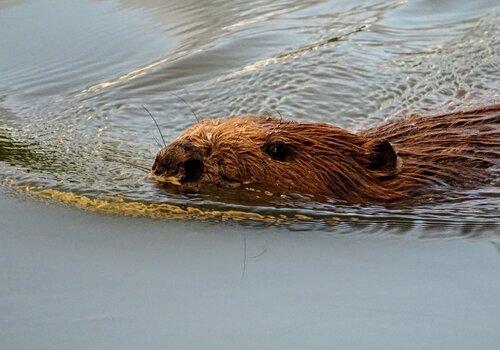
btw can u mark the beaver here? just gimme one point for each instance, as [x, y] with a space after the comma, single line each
[394, 161]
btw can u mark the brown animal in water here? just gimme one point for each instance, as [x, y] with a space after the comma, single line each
[390, 162]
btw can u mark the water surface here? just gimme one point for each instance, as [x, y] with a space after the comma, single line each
[74, 77]
[290, 273]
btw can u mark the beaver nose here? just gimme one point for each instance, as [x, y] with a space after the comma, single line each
[193, 168]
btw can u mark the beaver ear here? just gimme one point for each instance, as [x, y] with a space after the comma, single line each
[382, 159]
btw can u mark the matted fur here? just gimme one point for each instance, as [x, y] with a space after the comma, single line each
[386, 163]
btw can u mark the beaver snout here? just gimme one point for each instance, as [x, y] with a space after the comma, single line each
[177, 164]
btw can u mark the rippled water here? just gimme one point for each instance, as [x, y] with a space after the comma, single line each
[75, 75]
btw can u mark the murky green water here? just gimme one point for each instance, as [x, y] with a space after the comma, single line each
[75, 75]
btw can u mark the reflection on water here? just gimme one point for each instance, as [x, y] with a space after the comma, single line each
[75, 75]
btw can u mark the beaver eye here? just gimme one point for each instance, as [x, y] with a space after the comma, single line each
[278, 151]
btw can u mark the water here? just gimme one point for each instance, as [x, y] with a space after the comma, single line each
[74, 78]
[70, 279]
[277, 273]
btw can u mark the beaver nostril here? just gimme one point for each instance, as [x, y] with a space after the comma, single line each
[193, 168]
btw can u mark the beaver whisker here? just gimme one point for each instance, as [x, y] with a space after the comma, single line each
[157, 142]
[281, 115]
[133, 165]
[277, 126]
[157, 126]
[187, 104]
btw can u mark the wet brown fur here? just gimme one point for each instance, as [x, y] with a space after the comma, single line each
[390, 162]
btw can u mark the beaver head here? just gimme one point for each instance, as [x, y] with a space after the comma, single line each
[269, 153]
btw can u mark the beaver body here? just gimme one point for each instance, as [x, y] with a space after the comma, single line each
[394, 161]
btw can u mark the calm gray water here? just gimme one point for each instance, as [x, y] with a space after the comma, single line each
[70, 279]
[74, 77]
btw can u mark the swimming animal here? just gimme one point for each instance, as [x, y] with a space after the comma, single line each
[397, 160]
